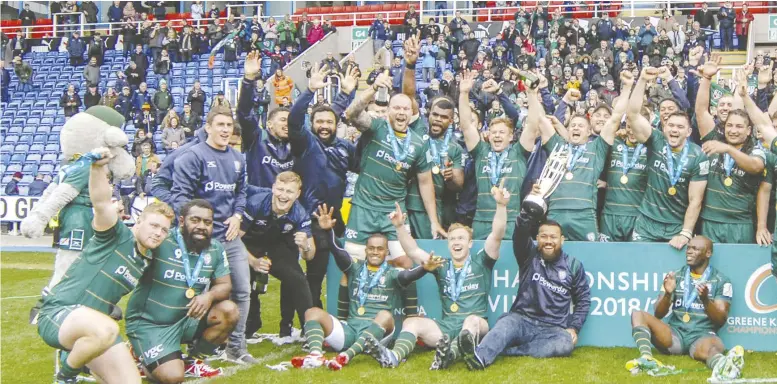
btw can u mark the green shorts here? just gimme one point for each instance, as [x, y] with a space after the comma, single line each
[363, 222]
[649, 230]
[730, 233]
[420, 225]
[344, 334]
[617, 227]
[50, 321]
[481, 229]
[686, 342]
[576, 225]
[451, 326]
[152, 342]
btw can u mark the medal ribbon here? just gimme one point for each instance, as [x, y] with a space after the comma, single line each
[496, 165]
[728, 164]
[629, 164]
[456, 280]
[400, 154]
[364, 287]
[576, 151]
[191, 277]
[690, 294]
[437, 159]
[86, 159]
[674, 175]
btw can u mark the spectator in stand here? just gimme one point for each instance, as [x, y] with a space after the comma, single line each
[220, 101]
[190, 121]
[92, 73]
[89, 9]
[203, 41]
[646, 34]
[378, 33]
[271, 33]
[143, 186]
[262, 102]
[155, 38]
[429, 59]
[173, 133]
[604, 53]
[5, 81]
[457, 29]
[92, 96]
[411, 14]
[110, 98]
[384, 56]
[145, 120]
[726, 19]
[146, 156]
[215, 32]
[331, 64]
[303, 29]
[129, 11]
[140, 97]
[137, 145]
[196, 99]
[315, 34]
[163, 66]
[328, 26]
[163, 100]
[170, 115]
[70, 101]
[160, 10]
[350, 61]
[470, 46]
[129, 32]
[134, 75]
[255, 43]
[441, 7]
[197, 11]
[124, 103]
[12, 188]
[256, 27]
[186, 44]
[706, 19]
[605, 28]
[677, 38]
[430, 30]
[214, 12]
[231, 52]
[283, 86]
[38, 185]
[27, 17]
[286, 33]
[170, 44]
[23, 72]
[744, 18]
[76, 48]
[115, 14]
[96, 48]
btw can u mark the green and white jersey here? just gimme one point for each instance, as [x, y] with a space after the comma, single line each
[473, 299]
[386, 296]
[160, 298]
[75, 219]
[735, 203]
[624, 199]
[513, 172]
[455, 161]
[658, 204]
[770, 170]
[581, 192]
[108, 268]
[720, 289]
[380, 184]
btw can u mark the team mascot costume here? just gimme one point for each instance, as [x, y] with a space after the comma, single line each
[67, 197]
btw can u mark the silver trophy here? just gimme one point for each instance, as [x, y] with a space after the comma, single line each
[554, 169]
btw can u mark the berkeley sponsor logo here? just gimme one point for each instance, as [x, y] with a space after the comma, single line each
[219, 187]
[660, 165]
[736, 171]
[619, 164]
[548, 284]
[466, 288]
[381, 154]
[125, 273]
[277, 164]
[178, 276]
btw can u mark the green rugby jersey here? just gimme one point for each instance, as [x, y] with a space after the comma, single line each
[414, 201]
[735, 203]
[581, 192]
[380, 184]
[160, 297]
[75, 219]
[473, 299]
[513, 173]
[108, 268]
[624, 199]
[658, 204]
[720, 289]
[387, 295]
[770, 169]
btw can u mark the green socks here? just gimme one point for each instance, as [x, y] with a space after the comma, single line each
[404, 345]
[373, 330]
[455, 349]
[65, 370]
[641, 335]
[712, 360]
[314, 334]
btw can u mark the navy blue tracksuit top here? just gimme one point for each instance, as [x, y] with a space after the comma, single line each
[263, 228]
[162, 184]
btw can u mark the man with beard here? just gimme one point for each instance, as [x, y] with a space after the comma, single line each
[276, 227]
[183, 299]
[540, 323]
[463, 288]
[677, 175]
[700, 297]
[74, 316]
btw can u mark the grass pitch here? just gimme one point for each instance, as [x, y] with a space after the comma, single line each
[26, 359]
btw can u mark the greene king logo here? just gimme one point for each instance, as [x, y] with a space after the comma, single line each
[758, 280]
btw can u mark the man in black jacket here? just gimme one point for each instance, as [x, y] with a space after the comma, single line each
[262, 97]
[76, 48]
[134, 75]
[706, 19]
[27, 17]
[92, 96]
[189, 121]
[96, 48]
[302, 31]
[70, 101]
[196, 99]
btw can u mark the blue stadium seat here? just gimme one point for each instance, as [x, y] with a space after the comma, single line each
[56, 129]
[24, 189]
[36, 148]
[17, 158]
[53, 106]
[52, 148]
[4, 159]
[189, 81]
[43, 130]
[191, 64]
[25, 139]
[26, 180]
[6, 149]
[19, 121]
[59, 120]
[15, 130]
[47, 120]
[49, 158]
[39, 139]
[52, 77]
[11, 139]
[28, 130]
[33, 121]
[52, 138]
[21, 148]
[191, 72]
[7, 178]
[49, 61]
[47, 86]
[177, 72]
[33, 158]
[30, 169]
[21, 115]
[5, 122]
[216, 72]
[46, 168]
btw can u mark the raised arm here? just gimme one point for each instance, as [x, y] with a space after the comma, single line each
[612, 125]
[522, 241]
[468, 129]
[639, 125]
[100, 192]
[759, 119]
[412, 49]
[534, 121]
[249, 124]
[499, 224]
[408, 276]
[326, 223]
[702, 108]
[356, 113]
[409, 245]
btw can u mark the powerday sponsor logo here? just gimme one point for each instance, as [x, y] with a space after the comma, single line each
[219, 187]
[178, 276]
[125, 273]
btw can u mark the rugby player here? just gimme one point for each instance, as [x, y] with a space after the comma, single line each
[372, 284]
[540, 322]
[677, 174]
[183, 299]
[464, 287]
[700, 298]
[74, 316]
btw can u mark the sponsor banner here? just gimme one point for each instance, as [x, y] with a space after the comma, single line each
[16, 208]
[625, 277]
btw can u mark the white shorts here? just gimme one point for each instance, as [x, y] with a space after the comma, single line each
[359, 251]
[336, 339]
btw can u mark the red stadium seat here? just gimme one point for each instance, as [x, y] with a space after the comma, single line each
[315, 10]
[351, 9]
[338, 9]
[299, 11]
[372, 8]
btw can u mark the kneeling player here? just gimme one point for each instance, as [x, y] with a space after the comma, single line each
[171, 305]
[74, 316]
[464, 287]
[700, 297]
[373, 286]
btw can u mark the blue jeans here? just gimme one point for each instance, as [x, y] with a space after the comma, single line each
[24, 87]
[726, 37]
[377, 44]
[517, 335]
[440, 6]
[542, 52]
[237, 255]
[441, 67]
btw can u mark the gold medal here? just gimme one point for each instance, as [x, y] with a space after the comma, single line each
[398, 167]
[672, 191]
[569, 176]
[436, 170]
[728, 181]
[454, 307]
[190, 293]
[360, 311]
[686, 318]
[624, 179]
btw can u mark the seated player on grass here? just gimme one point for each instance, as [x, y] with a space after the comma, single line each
[700, 297]
[74, 316]
[183, 299]
[464, 287]
[375, 289]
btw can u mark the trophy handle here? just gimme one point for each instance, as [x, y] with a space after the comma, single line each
[553, 170]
